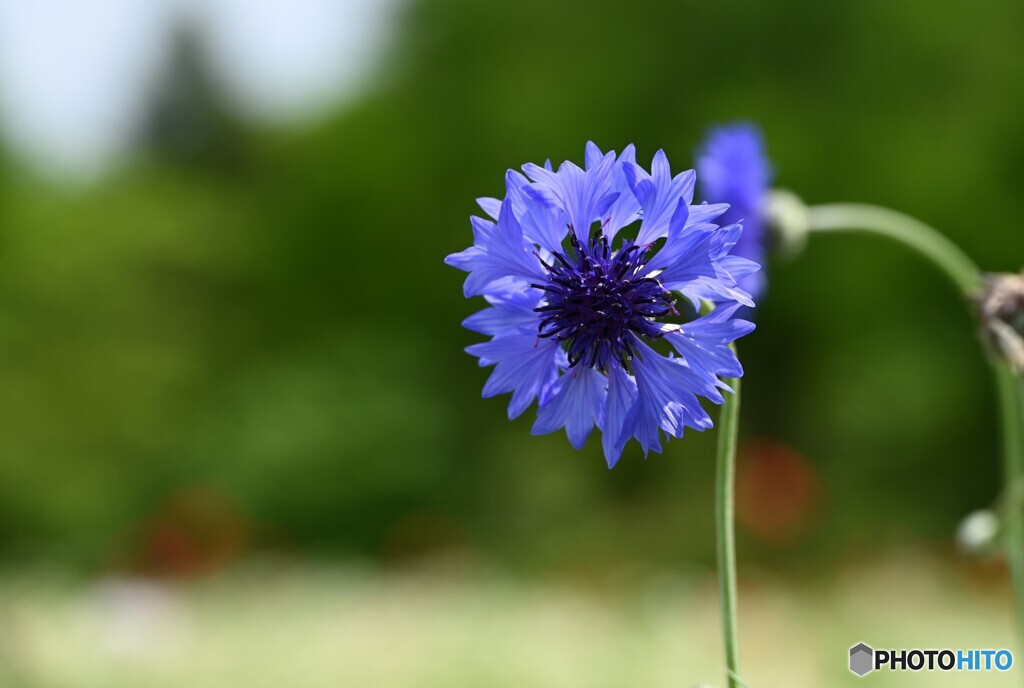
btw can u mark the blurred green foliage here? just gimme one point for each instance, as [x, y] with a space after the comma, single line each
[266, 317]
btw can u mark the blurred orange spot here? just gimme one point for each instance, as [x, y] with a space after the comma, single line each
[778, 493]
[196, 531]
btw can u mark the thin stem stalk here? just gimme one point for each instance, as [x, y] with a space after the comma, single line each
[858, 217]
[1011, 409]
[725, 529]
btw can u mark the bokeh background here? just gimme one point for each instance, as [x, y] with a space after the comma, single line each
[240, 442]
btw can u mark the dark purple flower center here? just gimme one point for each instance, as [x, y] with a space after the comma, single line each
[597, 304]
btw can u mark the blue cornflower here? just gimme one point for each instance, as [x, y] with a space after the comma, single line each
[734, 169]
[574, 309]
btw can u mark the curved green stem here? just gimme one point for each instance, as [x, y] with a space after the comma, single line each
[725, 528]
[858, 217]
[958, 267]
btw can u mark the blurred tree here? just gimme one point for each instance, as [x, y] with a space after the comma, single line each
[190, 121]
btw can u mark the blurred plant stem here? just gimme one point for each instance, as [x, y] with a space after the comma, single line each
[1011, 410]
[857, 217]
[725, 528]
[965, 274]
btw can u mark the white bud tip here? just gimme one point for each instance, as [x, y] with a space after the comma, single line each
[977, 532]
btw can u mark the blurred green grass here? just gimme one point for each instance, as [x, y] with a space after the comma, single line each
[456, 625]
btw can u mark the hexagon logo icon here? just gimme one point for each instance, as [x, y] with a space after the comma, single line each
[862, 659]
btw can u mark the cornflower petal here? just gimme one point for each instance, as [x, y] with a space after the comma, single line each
[523, 365]
[577, 403]
[734, 169]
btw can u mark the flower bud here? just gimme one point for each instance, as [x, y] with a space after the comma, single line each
[1001, 308]
[977, 532]
[788, 219]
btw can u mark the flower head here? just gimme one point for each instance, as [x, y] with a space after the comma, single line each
[734, 169]
[1001, 306]
[575, 310]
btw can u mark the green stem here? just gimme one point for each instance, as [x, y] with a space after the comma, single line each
[857, 217]
[725, 528]
[1011, 409]
[964, 273]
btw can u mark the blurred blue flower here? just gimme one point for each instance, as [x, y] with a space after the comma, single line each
[573, 311]
[734, 169]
